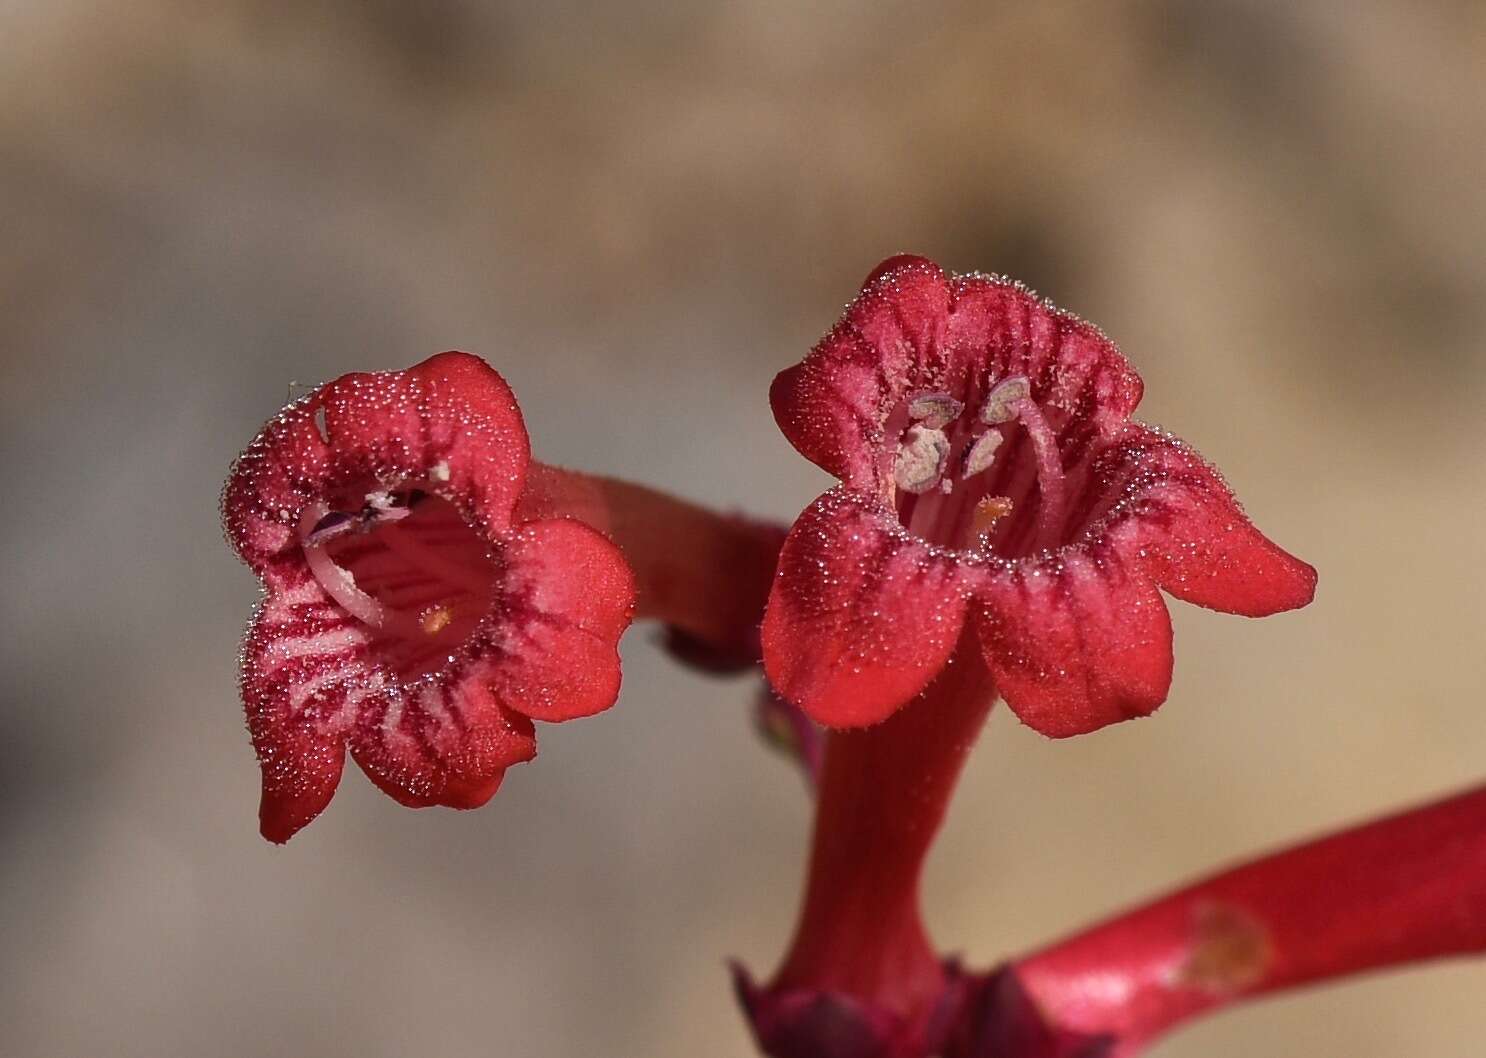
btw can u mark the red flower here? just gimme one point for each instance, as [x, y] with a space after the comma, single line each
[990, 473]
[407, 614]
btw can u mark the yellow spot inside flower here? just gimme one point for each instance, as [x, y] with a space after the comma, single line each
[988, 512]
[435, 619]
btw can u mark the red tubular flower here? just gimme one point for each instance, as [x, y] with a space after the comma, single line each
[1398, 890]
[990, 474]
[1001, 527]
[408, 614]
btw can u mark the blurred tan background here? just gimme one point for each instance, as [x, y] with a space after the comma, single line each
[639, 213]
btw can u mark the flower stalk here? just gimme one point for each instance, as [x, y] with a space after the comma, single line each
[1403, 889]
[883, 794]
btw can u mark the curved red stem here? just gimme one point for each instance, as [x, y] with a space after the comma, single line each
[1402, 889]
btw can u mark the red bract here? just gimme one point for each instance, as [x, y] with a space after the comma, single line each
[990, 473]
[408, 615]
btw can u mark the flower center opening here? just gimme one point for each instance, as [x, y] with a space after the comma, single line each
[984, 474]
[406, 564]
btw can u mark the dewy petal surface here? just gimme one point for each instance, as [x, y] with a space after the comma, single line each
[405, 615]
[452, 416]
[915, 329]
[1044, 501]
[832, 404]
[1076, 643]
[445, 741]
[1172, 510]
[567, 601]
[300, 663]
[862, 614]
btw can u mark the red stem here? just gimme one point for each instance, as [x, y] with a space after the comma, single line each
[883, 794]
[705, 573]
[1402, 889]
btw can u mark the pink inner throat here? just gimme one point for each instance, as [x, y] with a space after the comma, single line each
[406, 564]
[984, 474]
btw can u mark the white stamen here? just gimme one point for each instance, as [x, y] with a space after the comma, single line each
[439, 471]
[981, 454]
[999, 405]
[337, 582]
[934, 410]
[921, 459]
[340, 585]
[386, 507]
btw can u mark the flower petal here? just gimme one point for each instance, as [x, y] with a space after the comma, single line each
[314, 678]
[285, 467]
[912, 328]
[833, 404]
[1171, 511]
[443, 741]
[1000, 329]
[862, 615]
[311, 681]
[568, 597]
[1076, 643]
[304, 670]
[451, 419]
[297, 784]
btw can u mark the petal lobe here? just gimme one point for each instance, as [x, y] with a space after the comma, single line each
[862, 615]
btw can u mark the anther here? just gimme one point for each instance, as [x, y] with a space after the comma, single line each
[384, 506]
[921, 459]
[981, 454]
[1000, 405]
[332, 525]
[934, 410]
